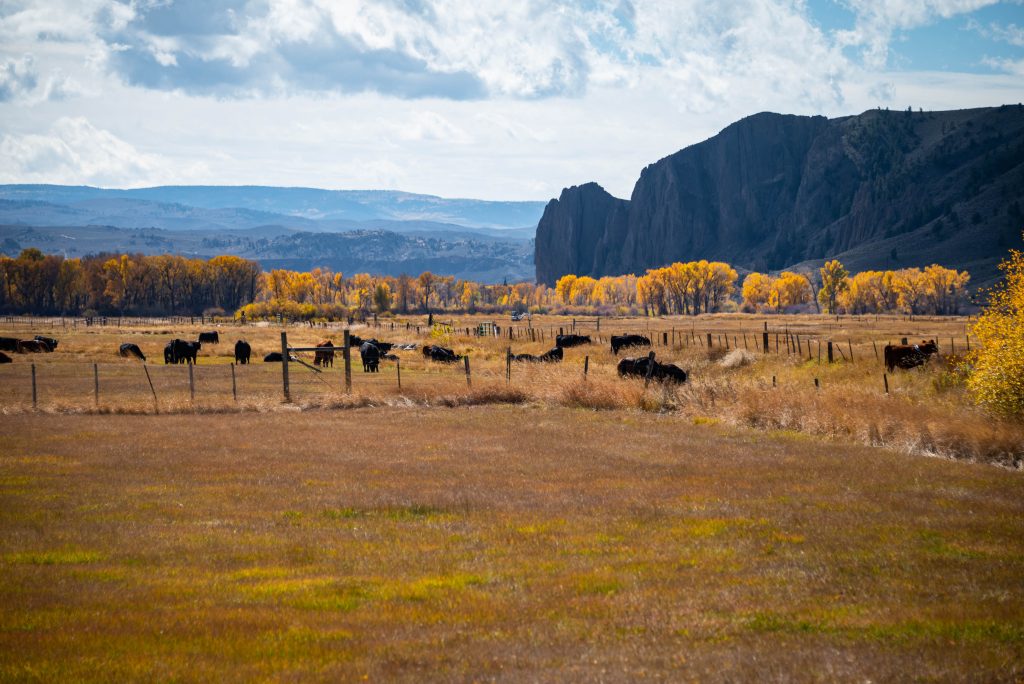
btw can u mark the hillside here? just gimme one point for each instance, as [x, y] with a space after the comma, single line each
[879, 190]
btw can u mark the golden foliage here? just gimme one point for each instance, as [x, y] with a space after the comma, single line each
[997, 378]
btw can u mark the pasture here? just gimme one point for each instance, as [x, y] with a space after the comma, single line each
[544, 526]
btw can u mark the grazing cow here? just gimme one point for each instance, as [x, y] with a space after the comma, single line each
[50, 343]
[183, 351]
[242, 352]
[551, 356]
[324, 358]
[4, 358]
[209, 337]
[662, 371]
[31, 347]
[624, 341]
[369, 353]
[128, 349]
[441, 354]
[275, 357]
[571, 340]
[907, 356]
[169, 353]
[9, 344]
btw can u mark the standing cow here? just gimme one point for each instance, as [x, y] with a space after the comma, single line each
[571, 340]
[324, 358]
[242, 352]
[209, 337]
[369, 353]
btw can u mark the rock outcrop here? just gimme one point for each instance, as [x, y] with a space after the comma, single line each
[879, 190]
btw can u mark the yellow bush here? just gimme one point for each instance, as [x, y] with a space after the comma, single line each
[997, 379]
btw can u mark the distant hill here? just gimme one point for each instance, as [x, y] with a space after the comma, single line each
[300, 203]
[446, 252]
[879, 190]
[301, 228]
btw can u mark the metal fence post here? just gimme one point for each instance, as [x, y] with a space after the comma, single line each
[284, 367]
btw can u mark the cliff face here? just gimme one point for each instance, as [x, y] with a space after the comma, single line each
[879, 190]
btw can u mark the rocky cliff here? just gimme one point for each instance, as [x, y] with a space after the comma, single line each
[879, 190]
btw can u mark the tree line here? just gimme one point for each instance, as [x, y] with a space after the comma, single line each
[125, 284]
[173, 285]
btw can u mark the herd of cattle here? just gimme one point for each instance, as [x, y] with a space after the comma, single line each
[373, 351]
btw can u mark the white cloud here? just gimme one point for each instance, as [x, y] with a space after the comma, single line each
[75, 151]
[1010, 33]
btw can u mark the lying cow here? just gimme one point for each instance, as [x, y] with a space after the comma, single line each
[32, 347]
[441, 354]
[551, 356]
[4, 358]
[324, 358]
[275, 357]
[907, 356]
[50, 343]
[625, 341]
[370, 355]
[662, 371]
[242, 352]
[571, 340]
[9, 344]
[209, 337]
[128, 349]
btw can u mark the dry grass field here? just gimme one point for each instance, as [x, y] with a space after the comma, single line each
[551, 527]
[495, 543]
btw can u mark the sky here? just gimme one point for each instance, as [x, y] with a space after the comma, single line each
[489, 99]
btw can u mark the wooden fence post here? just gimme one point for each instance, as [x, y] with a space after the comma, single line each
[885, 381]
[650, 367]
[830, 351]
[234, 386]
[33, 385]
[347, 353]
[764, 341]
[96, 383]
[398, 367]
[508, 365]
[816, 385]
[875, 346]
[156, 406]
[586, 366]
[709, 340]
[469, 381]
[849, 345]
[284, 367]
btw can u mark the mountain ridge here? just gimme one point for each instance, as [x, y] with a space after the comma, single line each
[879, 189]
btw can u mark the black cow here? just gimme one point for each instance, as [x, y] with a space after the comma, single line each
[4, 358]
[551, 356]
[50, 343]
[31, 347]
[324, 358]
[182, 351]
[209, 337]
[9, 344]
[907, 356]
[441, 354]
[275, 357]
[661, 371]
[384, 347]
[571, 340]
[242, 352]
[624, 341]
[128, 349]
[370, 355]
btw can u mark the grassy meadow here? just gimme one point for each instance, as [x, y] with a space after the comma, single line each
[550, 527]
